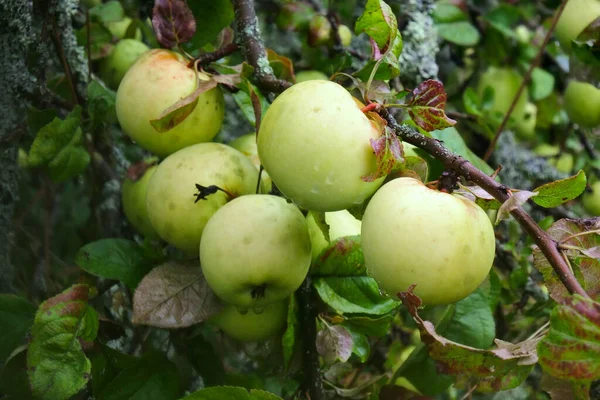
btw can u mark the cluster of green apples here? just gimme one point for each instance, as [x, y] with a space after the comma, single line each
[255, 250]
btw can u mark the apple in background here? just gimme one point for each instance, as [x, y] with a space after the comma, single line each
[582, 103]
[310, 75]
[247, 145]
[119, 28]
[505, 82]
[525, 127]
[172, 209]
[133, 199]
[157, 80]
[314, 142]
[576, 16]
[113, 67]
[252, 326]
[591, 199]
[345, 35]
[255, 250]
[341, 223]
[411, 234]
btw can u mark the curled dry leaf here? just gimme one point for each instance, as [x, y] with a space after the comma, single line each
[334, 342]
[503, 367]
[515, 201]
[173, 22]
[174, 295]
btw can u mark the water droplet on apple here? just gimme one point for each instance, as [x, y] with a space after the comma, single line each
[258, 310]
[242, 310]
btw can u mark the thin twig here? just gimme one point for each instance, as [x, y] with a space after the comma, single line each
[65, 63]
[526, 80]
[500, 192]
[207, 58]
[254, 48]
[88, 43]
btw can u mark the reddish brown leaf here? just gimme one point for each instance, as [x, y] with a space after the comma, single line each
[582, 252]
[571, 350]
[427, 106]
[334, 342]
[504, 367]
[388, 151]
[173, 22]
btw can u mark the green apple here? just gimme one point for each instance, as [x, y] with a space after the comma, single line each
[247, 145]
[564, 163]
[345, 35]
[546, 150]
[582, 103]
[310, 75]
[319, 31]
[341, 223]
[576, 16]
[119, 28]
[172, 207]
[505, 82]
[115, 65]
[314, 142]
[591, 199]
[441, 242]
[255, 250]
[133, 198]
[157, 80]
[252, 326]
[525, 127]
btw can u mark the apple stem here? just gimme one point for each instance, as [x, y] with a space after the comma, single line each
[205, 191]
[448, 182]
[258, 292]
[370, 107]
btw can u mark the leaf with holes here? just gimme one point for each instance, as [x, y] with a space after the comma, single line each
[503, 367]
[388, 152]
[334, 343]
[63, 326]
[174, 295]
[173, 22]
[515, 201]
[426, 108]
[554, 194]
[571, 349]
[579, 240]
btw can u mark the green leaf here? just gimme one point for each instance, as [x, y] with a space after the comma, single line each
[462, 33]
[100, 40]
[16, 317]
[37, 119]
[69, 162]
[388, 68]
[542, 84]
[355, 294]
[153, 377]
[118, 259]
[58, 367]
[111, 11]
[55, 136]
[14, 384]
[211, 17]
[198, 348]
[472, 102]
[101, 103]
[571, 350]
[454, 142]
[503, 18]
[556, 193]
[106, 365]
[472, 322]
[421, 370]
[290, 339]
[581, 244]
[370, 325]
[244, 97]
[230, 393]
[444, 13]
[379, 22]
[360, 344]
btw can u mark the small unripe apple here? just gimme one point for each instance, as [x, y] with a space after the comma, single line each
[157, 80]
[133, 198]
[564, 163]
[591, 199]
[505, 82]
[319, 31]
[441, 242]
[546, 150]
[247, 145]
[341, 223]
[345, 35]
[252, 326]
[310, 75]
[255, 250]
[582, 103]
[526, 125]
[115, 65]
[314, 142]
[119, 28]
[172, 207]
[576, 15]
